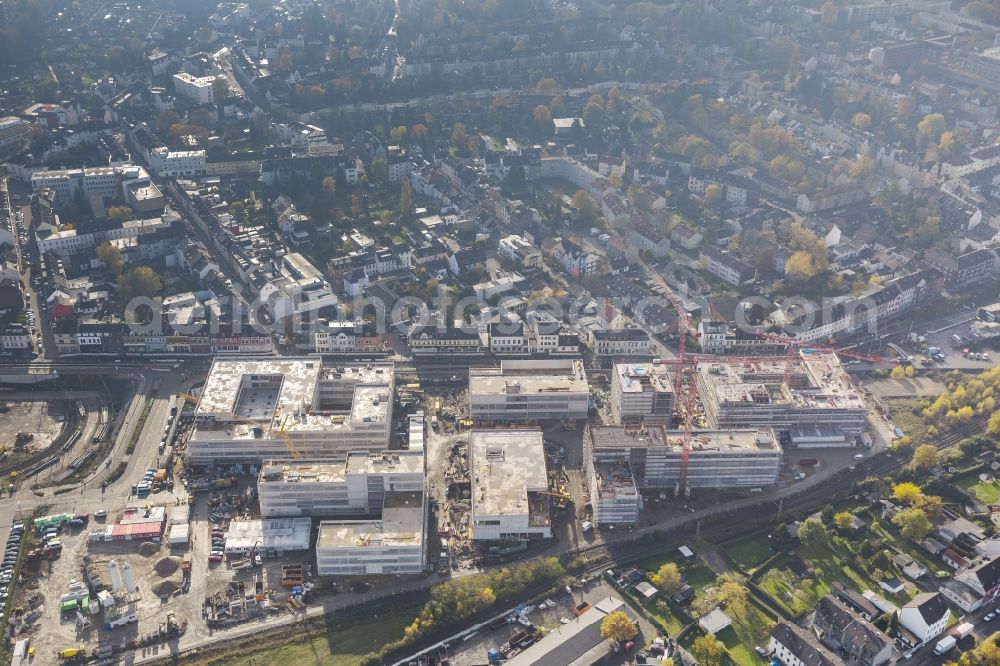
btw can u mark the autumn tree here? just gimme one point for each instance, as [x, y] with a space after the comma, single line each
[929, 130]
[843, 520]
[931, 505]
[120, 213]
[708, 650]
[111, 257]
[713, 193]
[406, 198]
[925, 457]
[912, 523]
[618, 627]
[330, 187]
[458, 134]
[861, 168]
[543, 117]
[140, 281]
[733, 591]
[993, 425]
[861, 120]
[813, 533]
[667, 578]
[906, 492]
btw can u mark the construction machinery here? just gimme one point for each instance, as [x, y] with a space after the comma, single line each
[278, 432]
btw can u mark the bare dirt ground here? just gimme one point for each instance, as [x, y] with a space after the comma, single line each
[42, 419]
[154, 572]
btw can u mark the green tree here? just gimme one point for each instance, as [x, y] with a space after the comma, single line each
[912, 523]
[813, 533]
[111, 257]
[585, 205]
[708, 650]
[379, 170]
[618, 627]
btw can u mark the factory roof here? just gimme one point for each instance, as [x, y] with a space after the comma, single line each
[818, 380]
[402, 524]
[273, 533]
[395, 462]
[519, 377]
[506, 466]
[642, 377]
[701, 440]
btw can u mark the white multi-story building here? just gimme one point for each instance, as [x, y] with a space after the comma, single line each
[519, 251]
[198, 89]
[72, 241]
[925, 616]
[507, 469]
[716, 458]
[110, 182]
[14, 131]
[357, 487]
[253, 410]
[642, 392]
[395, 544]
[819, 407]
[529, 391]
[177, 163]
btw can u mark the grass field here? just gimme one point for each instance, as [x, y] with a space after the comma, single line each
[749, 551]
[987, 493]
[336, 647]
[903, 417]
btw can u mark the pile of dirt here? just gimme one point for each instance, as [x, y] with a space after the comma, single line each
[165, 588]
[148, 548]
[167, 565]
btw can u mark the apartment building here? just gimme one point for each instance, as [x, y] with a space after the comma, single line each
[529, 391]
[107, 182]
[197, 89]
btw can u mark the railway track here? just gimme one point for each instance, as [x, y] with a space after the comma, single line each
[39, 460]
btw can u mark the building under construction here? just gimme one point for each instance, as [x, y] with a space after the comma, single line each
[529, 391]
[641, 393]
[253, 410]
[356, 487]
[510, 486]
[814, 402]
[621, 463]
[392, 545]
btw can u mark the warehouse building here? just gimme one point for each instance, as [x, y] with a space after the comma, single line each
[578, 642]
[528, 391]
[393, 545]
[650, 459]
[253, 410]
[509, 482]
[356, 487]
[641, 393]
[819, 406]
[271, 537]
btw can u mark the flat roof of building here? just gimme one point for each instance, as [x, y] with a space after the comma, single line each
[818, 380]
[615, 479]
[701, 440]
[402, 524]
[642, 377]
[277, 393]
[390, 462]
[505, 466]
[536, 376]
